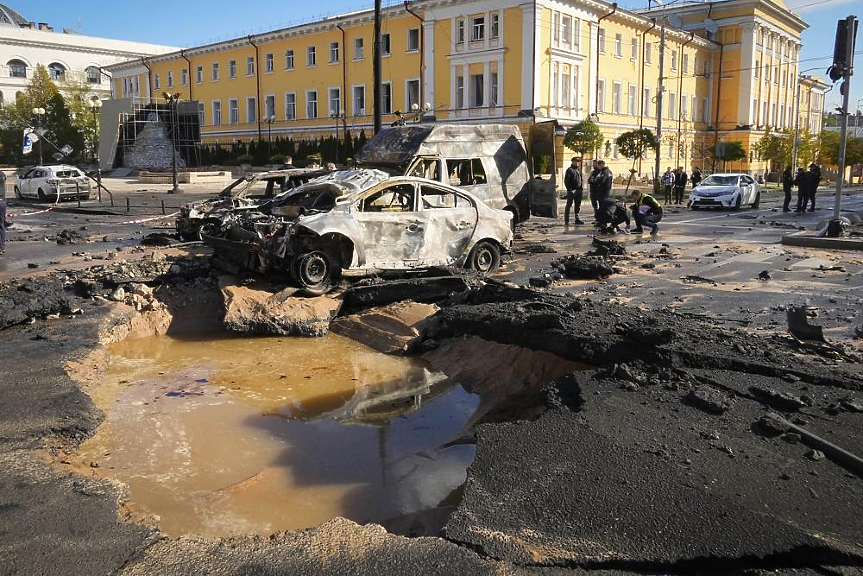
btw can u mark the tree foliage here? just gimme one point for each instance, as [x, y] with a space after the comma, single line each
[584, 137]
[634, 145]
[775, 147]
[829, 149]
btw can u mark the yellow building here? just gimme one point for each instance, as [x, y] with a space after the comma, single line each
[729, 70]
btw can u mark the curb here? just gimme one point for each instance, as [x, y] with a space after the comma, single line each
[807, 240]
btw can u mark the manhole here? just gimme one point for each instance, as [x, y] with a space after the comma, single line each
[225, 436]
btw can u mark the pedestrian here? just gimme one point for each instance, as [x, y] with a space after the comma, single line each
[787, 183]
[611, 214]
[801, 180]
[695, 179]
[814, 180]
[668, 184]
[680, 178]
[646, 211]
[2, 212]
[573, 180]
[288, 164]
[600, 184]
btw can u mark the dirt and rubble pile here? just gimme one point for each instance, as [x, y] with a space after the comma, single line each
[395, 328]
[36, 297]
[584, 267]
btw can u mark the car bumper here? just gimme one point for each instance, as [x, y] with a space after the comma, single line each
[713, 201]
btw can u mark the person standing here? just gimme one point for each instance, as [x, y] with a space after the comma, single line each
[668, 184]
[646, 211]
[695, 179]
[814, 175]
[787, 183]
[573, 180]
[801, 180]
[2, 212]
[680, 178]
[600, 184]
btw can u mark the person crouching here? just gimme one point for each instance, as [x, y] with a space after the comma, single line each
[611, 214]
[646, 211]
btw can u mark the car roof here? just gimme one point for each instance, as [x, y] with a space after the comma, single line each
[728, 174]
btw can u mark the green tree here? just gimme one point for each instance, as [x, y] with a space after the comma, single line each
[583, 137]
[634, 144]
[729, 152]
[829, 149]
[775, 147]
[61, 131]
[15, 117]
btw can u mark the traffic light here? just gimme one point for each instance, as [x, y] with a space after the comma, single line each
[843, 57]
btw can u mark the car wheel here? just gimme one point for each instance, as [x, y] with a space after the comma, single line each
[41, 194]
[17, 192]
[315, 272]
[757, 201]
[737, 202]
[484, 258]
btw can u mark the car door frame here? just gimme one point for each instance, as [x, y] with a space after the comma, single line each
[400, 232]
[448, 232]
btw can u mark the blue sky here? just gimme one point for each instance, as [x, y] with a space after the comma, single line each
[193, 23]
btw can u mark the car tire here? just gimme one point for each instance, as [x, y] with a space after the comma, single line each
[757, 201]
[315, 272]
[41, 195]
[484, 258]
[738, 202]
[18, 193]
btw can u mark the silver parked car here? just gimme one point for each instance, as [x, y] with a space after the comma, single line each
[53, 183]
[731, 190]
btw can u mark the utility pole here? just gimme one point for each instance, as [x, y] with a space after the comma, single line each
[659, 91]
[845, 65]
[376, 66]
[796, 143]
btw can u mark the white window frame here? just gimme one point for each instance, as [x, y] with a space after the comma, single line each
[459, 92]
[386, 44]
[646, 101]
[633, 49]
[494, 26]
[476, 96]
[214, 71]
[184, 77]
[334, 53]
[170, 78]
[600, 39]
[337, 109]
[269, 105]
[493, 89]
[616, 97]
[359, 48]
[233, 111]
[157, 81]
[459, 30]
[387, 97]
[202, 119]
[312, 99]
[199, 74]
[290, 105]
[600, 98]
[618, 45]
[289, 59]
[632, 100]
[674, 60]
[250, 66]
[648, 53]
[251, 110]
[311, 56]
[408, 83]
[269, 63]
[477, 28]
[216, 108]
[413, 36]
[358, 90]
[232, 69]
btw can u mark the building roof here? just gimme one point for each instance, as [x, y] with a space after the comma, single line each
[9, 17]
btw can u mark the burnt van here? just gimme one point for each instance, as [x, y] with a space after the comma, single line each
[488, 160]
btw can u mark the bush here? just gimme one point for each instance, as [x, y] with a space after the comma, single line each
[244, 159]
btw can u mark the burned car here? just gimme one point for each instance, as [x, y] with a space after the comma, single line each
[245, 193]
[360, 222]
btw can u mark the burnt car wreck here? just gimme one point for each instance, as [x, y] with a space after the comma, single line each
[361, 222]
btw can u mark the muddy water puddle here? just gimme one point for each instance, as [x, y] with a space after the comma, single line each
[253, 435]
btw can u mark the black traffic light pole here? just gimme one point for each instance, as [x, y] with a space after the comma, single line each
[843, 63]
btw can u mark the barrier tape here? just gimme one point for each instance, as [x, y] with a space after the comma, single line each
[139, 221]
[48, 209]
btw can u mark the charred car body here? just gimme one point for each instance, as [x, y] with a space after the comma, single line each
[364, 221]
[245, 193]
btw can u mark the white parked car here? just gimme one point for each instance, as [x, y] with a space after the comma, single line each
[49, 182]
[731, 190]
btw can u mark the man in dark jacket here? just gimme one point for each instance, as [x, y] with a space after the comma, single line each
[696, 177]
[680, 179]
[814, 180]
[801, 180]
[787, 183]
[574, 182]
[611, 214]
[600, 184]
[646, 211]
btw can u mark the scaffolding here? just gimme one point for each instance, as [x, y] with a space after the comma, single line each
[157, 126]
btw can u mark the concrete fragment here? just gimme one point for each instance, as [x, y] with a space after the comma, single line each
[417, 289]
[257, 311]
[390, 329]
[708, 399]
[777, 398]
[584, 267]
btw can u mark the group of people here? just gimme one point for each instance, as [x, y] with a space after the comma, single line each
[609, 213]
[807, 182]
[674, 183]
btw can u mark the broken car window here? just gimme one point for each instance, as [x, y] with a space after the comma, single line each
[398, 198]
[433, 197]
[428, 168]
[466, 172]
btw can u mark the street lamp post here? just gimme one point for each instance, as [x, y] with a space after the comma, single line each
[269, 121]
[39, 113]
[172, 100]
[95, 108]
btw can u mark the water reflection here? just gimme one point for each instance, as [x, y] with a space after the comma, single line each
[230, 436]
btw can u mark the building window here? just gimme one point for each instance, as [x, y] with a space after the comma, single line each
[359, 100]
[269, 107]
[648, 53]
[334, 52]
[201, 117]
[459, 31]
[289, 59]
[477, 82]
[495, 26]
[674, 59]
[672, 105]
[93, 75]
[184, 77]
[707, 68]
[600, 38]
[477, 29]
[335, 98]
[600, 95]
[251, 110]
[215, 71]
[684, 107]
[57, 71]
[633, 50]
[459, 92]
[493, 89]
[618, 45]
[170, 79]
[233, 111]
[250, 66]
[217, 112]
[566, 30]
[311, 56]
[555, 28]
[694, 107]
[232, 69]
[386, 98]
[359, 49]
[17, 69]
[311, 104]
[686, 63]
[616, 89]
[413, 93]
[269, 63]
[776, 74]
[385, 45]
[645, 102]
[199, 74]
[290, 106]
[157, 81]
[414, 40]
[632, 99]
[705, 111]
